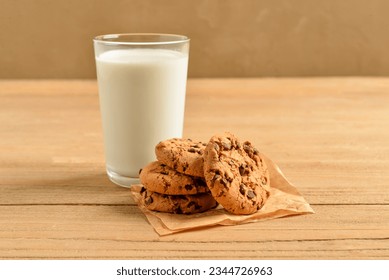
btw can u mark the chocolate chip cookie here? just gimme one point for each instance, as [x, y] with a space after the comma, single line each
[236, 174]
[178, 204]
[183, 155]
[160, 178]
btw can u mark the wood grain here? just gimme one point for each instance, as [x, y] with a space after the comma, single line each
[328, 135]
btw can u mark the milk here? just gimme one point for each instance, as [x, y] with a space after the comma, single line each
[142, 100]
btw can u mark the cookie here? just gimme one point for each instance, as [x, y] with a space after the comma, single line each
[178, 204]
[160, 178]
[183, 155]
[236, 174]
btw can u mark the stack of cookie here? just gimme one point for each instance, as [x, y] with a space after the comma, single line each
[192, 177]
[175, 183]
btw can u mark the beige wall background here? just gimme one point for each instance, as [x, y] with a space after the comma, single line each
[229, 38]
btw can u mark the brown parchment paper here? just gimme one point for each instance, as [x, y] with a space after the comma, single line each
[284, 200]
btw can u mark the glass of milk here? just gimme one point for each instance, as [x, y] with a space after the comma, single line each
[142, 84]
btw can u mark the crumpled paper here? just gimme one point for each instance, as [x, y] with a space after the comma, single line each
[284, 200]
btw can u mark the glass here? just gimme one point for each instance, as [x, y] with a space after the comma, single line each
[142, 85]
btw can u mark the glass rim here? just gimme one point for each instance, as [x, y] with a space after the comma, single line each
[114, 39]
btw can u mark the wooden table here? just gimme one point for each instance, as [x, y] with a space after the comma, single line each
[330, 136]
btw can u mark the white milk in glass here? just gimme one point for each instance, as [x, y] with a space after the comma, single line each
[142, 100]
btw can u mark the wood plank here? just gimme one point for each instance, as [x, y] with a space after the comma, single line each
[122, 232]
[99, 222]
[110, 249]
[81, 183]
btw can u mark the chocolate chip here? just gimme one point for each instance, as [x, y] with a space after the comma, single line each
[142, 190]
[256, 152]
[195, 146]
[241, 170]
[242, 189]
[190, 204]
[224, 182]
[216, 177]
[199, 182]
[194, 205]
[148, 200]
[164, 172]
[204, 144]
[246, 148]
[188, 187]
[191, 150]
[140, 170]
[251, 194]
